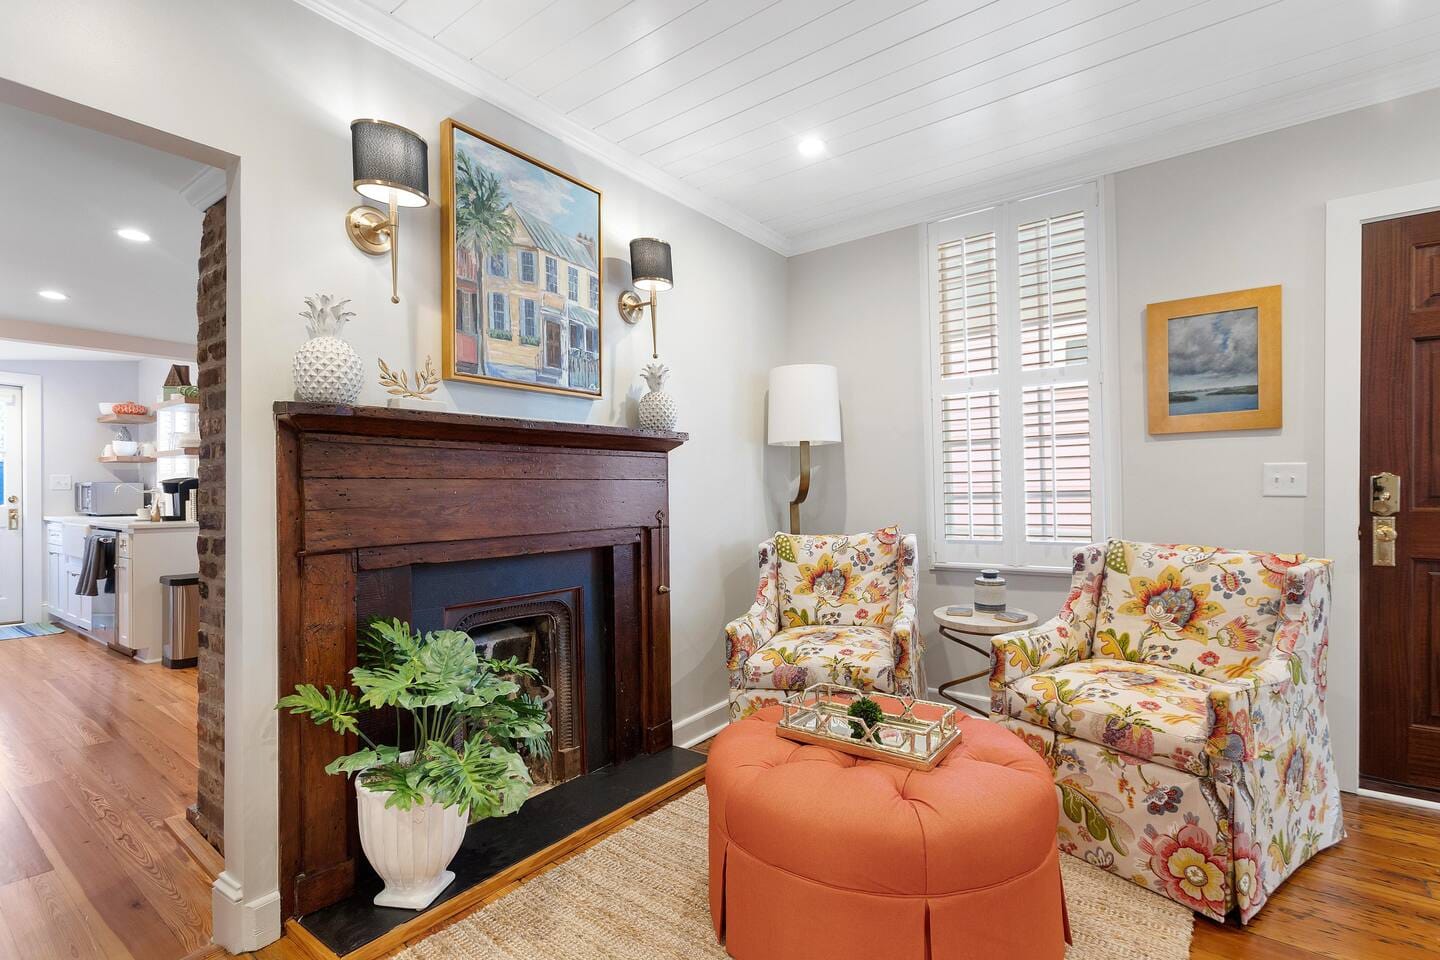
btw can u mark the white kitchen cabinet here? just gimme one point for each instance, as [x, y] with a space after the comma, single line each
[144, 552]
[77, 608]
[54, 569]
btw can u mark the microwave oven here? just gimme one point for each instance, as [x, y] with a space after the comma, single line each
[106, 498]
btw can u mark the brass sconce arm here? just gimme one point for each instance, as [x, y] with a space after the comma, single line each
[631, 306]
[376, 234]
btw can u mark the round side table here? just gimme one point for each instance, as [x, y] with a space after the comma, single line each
[979, 623]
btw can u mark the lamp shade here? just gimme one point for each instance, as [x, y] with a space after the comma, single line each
[389, 162]
[804, 404]
[650, 267]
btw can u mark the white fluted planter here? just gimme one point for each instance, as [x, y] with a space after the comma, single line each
[409, 849]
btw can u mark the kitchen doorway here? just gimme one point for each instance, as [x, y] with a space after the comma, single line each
[113, 290]
[12, 485]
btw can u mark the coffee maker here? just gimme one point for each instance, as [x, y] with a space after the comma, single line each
[174, 494]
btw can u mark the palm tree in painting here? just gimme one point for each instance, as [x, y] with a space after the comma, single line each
[481, 223]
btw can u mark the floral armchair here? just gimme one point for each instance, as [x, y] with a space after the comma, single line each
[1179, 699]
[829, 609]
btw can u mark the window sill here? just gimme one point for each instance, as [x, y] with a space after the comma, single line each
[954, 567]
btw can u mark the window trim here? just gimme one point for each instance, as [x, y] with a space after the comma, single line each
[1012, 554]
[552, 275]
[499, 332]
[572, 283]
[520, 258]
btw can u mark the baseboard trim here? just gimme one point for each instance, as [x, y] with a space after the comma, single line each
[196, 845]
[1398, 798]
[703, 725]
[240, 925]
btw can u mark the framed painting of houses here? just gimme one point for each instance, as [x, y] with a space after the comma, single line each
[1213, 362]
[522, 269]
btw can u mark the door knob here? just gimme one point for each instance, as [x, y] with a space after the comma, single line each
[663, 589]
[1382, 549]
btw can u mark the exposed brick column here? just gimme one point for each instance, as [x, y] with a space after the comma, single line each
[208, 813]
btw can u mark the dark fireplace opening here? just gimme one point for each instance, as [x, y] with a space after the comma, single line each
[541, 630]
[552, 610]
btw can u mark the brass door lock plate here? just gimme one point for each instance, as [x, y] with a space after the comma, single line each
[14, 518]
[1384, 494]
[1383, 537]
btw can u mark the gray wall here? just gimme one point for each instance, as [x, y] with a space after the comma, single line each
[268, 88]
[70, 439]
[1245, 214]
[861, 306]
[1248, 214]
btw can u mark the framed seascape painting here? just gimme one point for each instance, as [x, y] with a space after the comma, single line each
[1213, 362]
[522, 261]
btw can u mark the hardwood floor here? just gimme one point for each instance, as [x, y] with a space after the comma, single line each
[96, 753]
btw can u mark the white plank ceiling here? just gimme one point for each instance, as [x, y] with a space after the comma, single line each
[925, 107]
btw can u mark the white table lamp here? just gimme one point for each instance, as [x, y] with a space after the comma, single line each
[804, 410]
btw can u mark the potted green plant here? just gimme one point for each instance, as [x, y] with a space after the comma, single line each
[458, 759]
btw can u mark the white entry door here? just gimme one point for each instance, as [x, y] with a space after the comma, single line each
[11, 471]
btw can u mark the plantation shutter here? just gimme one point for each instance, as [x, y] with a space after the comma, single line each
[1015, 382]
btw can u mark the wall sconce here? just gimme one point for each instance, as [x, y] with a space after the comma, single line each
[650, 269]
[390, 166]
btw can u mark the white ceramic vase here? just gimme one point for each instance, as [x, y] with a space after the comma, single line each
[326, 368]
[657, 408]
[409, 849]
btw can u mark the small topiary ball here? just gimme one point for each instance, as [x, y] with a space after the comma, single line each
[867, 710]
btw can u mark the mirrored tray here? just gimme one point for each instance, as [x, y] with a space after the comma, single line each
[913, 733]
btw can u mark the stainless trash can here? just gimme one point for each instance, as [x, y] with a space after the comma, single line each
[180, 620]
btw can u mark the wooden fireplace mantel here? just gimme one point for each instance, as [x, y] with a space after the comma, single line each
[364, 492]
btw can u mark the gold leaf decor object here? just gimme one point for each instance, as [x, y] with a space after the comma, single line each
[397, 382]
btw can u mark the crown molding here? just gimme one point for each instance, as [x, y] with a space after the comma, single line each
[414, 47]
[205, 188]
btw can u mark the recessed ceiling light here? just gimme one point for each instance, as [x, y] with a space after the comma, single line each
[133, 235]
[53, 295]
[811, 146]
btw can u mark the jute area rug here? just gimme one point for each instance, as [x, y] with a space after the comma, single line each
[640, 894]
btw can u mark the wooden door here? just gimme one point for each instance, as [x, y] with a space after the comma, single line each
[554, 345]
[1400, 434]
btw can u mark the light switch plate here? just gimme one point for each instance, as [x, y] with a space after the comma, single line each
[1286, 480]
[59, 481]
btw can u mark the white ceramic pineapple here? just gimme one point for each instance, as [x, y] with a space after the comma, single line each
[657, 408]
[326, 368]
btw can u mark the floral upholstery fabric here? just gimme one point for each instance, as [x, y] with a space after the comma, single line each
[850, 579]
[1216, 813]
[832, 609]
[1148, 712]
[794, 659]
[1198, 609]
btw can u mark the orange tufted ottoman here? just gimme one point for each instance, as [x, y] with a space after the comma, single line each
[814, 853]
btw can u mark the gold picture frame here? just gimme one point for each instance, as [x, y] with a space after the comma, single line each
[546, 333]
[1214, 362]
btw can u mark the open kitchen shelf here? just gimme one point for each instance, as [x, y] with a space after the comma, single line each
[126, 418]
[176, 402]
[183, 452]
[127, 459]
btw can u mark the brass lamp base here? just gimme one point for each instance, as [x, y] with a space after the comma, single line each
[804, 489]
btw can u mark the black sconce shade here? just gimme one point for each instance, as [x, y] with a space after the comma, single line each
[650, 264]
[389, 161]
